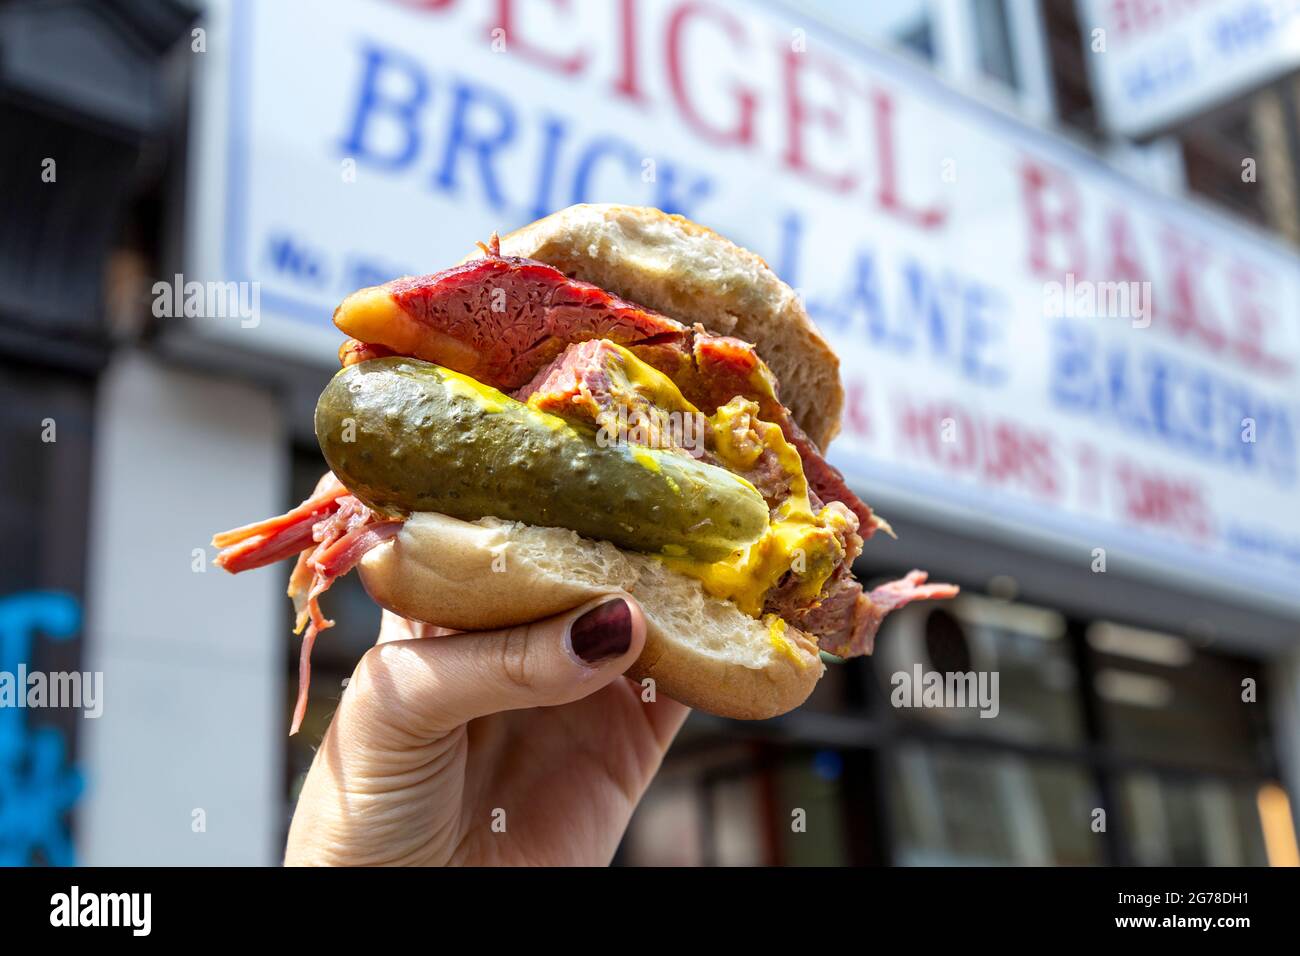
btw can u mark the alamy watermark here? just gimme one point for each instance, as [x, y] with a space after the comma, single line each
[960, 690]
[1085, 299]
[208, 300]
[133, 911]
[659, 429]
[60, 689]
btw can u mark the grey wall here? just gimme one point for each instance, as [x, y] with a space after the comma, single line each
[192, 661]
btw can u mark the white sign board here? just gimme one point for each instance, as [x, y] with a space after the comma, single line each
[1157, 62]
[1032, 345]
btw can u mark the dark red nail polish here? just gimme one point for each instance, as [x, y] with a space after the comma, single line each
[602, 633]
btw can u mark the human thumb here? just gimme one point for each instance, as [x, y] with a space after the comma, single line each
[425, 688]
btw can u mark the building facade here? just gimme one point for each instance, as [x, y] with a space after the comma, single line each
[1059, 266]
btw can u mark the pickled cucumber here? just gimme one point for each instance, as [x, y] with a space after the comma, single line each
[406, 435]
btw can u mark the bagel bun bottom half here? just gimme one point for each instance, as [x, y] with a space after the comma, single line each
[489, 574]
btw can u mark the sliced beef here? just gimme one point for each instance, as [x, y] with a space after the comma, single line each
[588, 382]
[726, 366]
[525, 327]
[721, 368]
[516, 315]
[504, 319]
[846, 620]
[829, 483]
[352, 351]
[330, 532]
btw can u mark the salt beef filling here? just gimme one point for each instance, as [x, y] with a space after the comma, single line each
[560, 344]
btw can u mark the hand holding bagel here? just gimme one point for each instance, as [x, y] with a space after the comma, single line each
[518, 746]
[608, 398]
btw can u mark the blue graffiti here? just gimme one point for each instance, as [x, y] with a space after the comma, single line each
[38, 785]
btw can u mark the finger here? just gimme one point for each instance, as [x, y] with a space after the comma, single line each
[426, 688]
[394, 627]
[666, 717]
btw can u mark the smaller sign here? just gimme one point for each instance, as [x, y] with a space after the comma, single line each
[1154, 63]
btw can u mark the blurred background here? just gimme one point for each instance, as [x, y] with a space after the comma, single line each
[1055, 244]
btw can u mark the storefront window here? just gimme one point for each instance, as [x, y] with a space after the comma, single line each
[1193, 822]
[968, 808]
[1163, 700]
[811, 785]
[1022, 648]
[997, 57]
[1071, 86]
[754, 806]
[1241, 157]
[1110, 745]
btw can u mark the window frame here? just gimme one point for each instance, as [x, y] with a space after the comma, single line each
[868, 741]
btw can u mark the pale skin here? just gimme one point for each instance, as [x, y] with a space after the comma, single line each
[440, 736]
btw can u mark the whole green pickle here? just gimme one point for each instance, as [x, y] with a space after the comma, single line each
[406, 435]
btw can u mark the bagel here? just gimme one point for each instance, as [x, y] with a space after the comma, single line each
[608, 400]
[487, 574]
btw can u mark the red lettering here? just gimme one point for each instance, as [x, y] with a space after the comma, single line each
[1047, 220]
[1153, 499]
[1041, 465]
[1188, 312]
[516, 43]
[1142, 16]
[742, 134]
[1123, 264]
[1252, 321]
[888, 193]
[1004, 455]
[1089, 476]
[857, 417]
[628, 82]
[798, 113]
[999, 452]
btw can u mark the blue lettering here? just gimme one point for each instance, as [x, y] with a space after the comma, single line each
[788, 258]
[554, 130]
[295, 260]
[476, 143]
[865, 294]
[922, 304]
[1185, 407]
[676, 194]
[978, 334]
[610, 146]
[401, 108]
[1073, 378]
[861, 297]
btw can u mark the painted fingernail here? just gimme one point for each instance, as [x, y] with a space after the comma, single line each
[602, 633]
